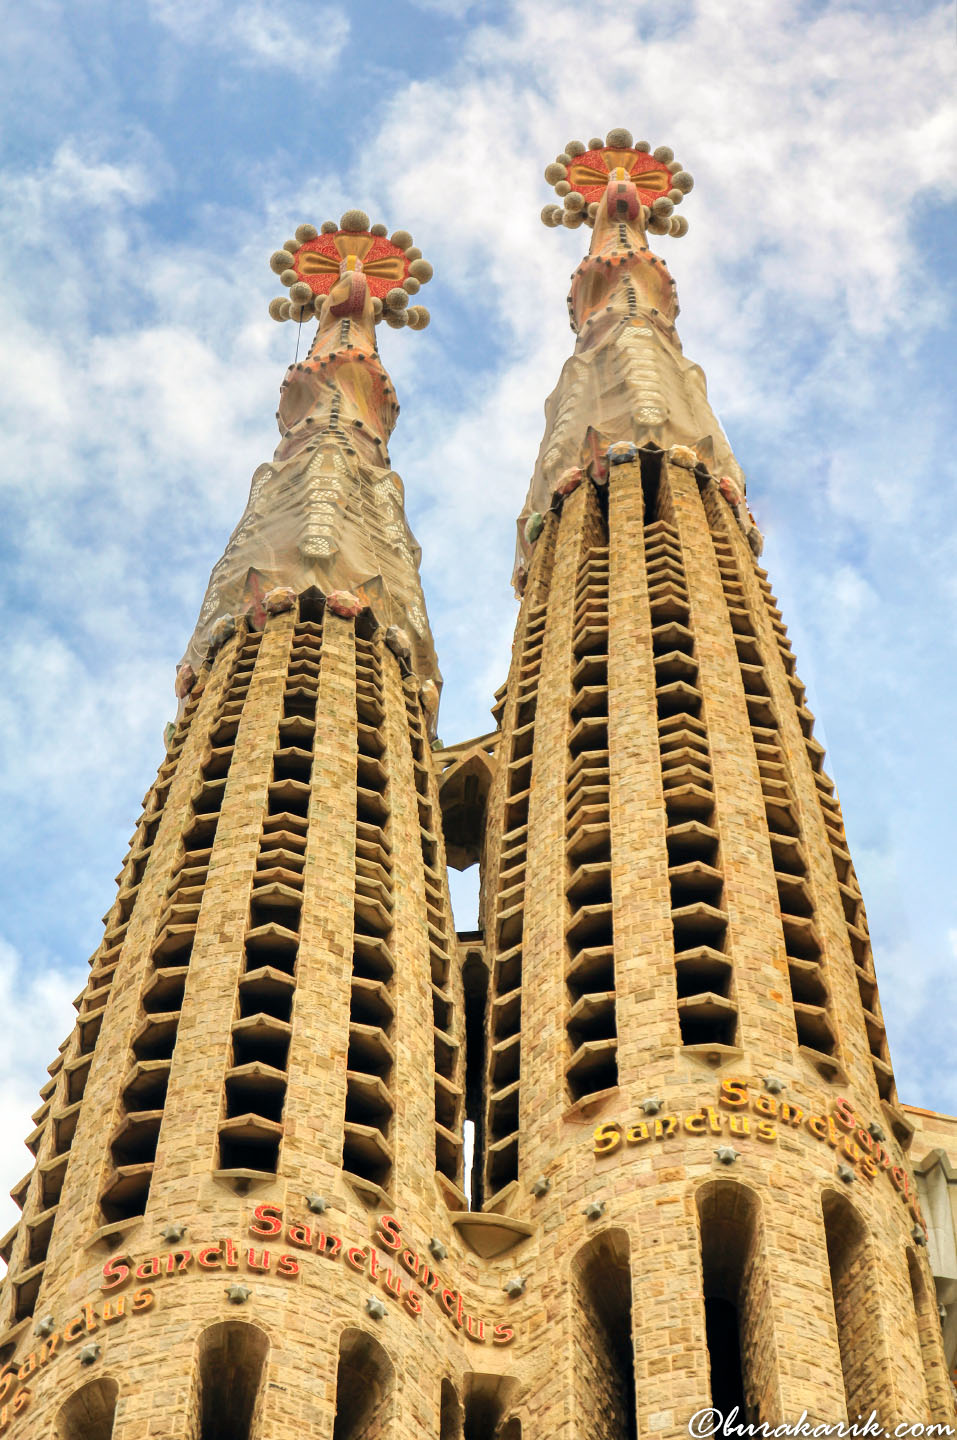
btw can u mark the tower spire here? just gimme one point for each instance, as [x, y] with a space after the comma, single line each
[328, 511]
[627, 380]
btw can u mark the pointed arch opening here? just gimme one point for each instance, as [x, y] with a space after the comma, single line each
[365, 1389]
[736, 1292]
[231, 1362]
[604, 1346]
[936, 1381]
[850, 1262]
[488, 1400]
[88, 1414]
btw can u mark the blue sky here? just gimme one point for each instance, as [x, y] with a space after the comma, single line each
[155, 154]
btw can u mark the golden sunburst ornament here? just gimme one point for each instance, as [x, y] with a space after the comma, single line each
[389, 268]
[631, 179]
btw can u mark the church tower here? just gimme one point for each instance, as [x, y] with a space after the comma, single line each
[249, 1215]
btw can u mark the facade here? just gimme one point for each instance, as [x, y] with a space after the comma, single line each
[693, 1182]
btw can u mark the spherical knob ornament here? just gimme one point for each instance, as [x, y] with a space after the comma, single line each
[289, 277]
[662, 206]
[401, 238]
[306, 232]
[301, 293]
[291, 245]
[681, 180]
[422, 270]
[329, 227]
[555, 172]
[410, 285]
[678, 226]
[562, 188]
[574, 201]
[572, 219]
[279, 261]
[276, 307]
[664, 153]
[574, 148]
[378, 229]
[643, 147]
[396, 299]
[619, 139]
[354, 220]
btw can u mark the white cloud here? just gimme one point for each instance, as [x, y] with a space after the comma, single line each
[297, 37]
[41, 998]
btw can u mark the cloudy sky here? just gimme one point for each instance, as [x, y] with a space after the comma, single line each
[156, 153]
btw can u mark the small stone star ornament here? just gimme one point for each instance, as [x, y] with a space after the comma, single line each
[726, 1154]
[238, 1294]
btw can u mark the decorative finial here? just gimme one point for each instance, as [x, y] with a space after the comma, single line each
[594, 1210]
[317, 1203]
[375, 1307]
[237, 1294]
[173, 1232]
[726, 1154]
[515, 1286]
[91, 1353]
[630, 180]
[354, 264]
[846, 1172]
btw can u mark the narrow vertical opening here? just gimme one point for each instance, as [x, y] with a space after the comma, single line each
[231, 1359]
[89, 1412]
[928, 1333]
[604, 1347]
[650, 463]
[858, 1332]
[475, 986]
[450, 1416]
[738, 1326]
[488, 1399]
[365, 1384]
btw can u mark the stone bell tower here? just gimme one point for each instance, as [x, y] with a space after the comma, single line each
[249, 1215]
[688, 1088]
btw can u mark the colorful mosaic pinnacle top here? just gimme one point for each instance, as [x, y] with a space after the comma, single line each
[629, 179]
[355, 265]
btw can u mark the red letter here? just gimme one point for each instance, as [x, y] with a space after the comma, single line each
[253, 1263]
[267, 1220]
[845, 1114]
[115, 1273]
[150, 1269]
[288, 1265]
[356, 1258]
[503, 1335]
[230, 1255]
[143, 1299]
[204, 1260]
[413, 1303]
[388, 1233]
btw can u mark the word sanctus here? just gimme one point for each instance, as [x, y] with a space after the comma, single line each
[15, 1393]
[739, 1111]
[268, 1221]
